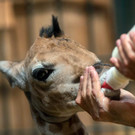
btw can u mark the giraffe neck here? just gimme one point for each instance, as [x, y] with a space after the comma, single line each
[50, 125]
[72, 126]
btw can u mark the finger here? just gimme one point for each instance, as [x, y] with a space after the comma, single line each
[95, 82]
[94, 78]
[84, 86]
[116, 63]
[78, 98]
[89, 88]
[126, 46]
[132, 37]
[95, 92]
[81, 83]
[121, 52]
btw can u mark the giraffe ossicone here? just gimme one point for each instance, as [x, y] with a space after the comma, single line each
[49, 76]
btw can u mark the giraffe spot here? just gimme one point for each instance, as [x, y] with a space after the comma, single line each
[55, 128]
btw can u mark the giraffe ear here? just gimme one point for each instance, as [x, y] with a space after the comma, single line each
[14, 72]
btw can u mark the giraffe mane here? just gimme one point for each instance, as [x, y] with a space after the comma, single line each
[53, 30]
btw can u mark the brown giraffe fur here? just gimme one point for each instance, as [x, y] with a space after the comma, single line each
[52, 101]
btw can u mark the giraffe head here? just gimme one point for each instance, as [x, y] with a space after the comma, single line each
[49, 74]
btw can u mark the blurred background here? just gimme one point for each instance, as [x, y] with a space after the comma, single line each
[95, 24]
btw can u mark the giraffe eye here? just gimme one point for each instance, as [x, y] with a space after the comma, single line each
[41, 74]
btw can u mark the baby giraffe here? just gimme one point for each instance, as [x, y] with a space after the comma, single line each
[49, 76]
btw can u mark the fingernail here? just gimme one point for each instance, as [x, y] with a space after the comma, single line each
[118, 42]
[92, 68]
[113, 60]
[81, 77]
[86, 69]
[123, 36]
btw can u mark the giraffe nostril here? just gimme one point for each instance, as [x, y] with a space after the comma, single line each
[99, 66]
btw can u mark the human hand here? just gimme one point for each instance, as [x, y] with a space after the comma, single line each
[90, 97]
[126, 47]
[101, 108]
